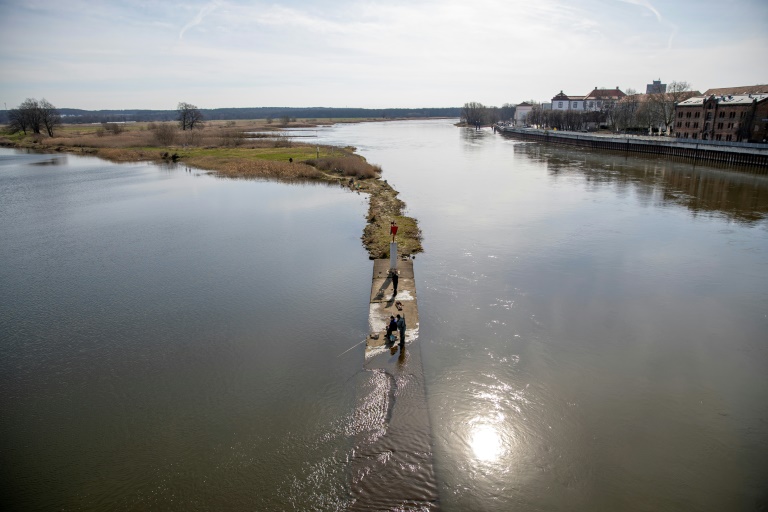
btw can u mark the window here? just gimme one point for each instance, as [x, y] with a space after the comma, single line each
[730, 125]
[686, 135]
[574, 104]
[687, 124]
[591, 104]
[679, 124]
[722, 114]
[696, 114]
[742, 115]
[732, 115]
[695, 125]
[709, 115]
[560, 105]
[717, 137]
[719, 126]
[727, 137]
[687, 114]
[694, 136]
[679, 114]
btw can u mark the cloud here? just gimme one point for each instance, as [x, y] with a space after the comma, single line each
[205, 11]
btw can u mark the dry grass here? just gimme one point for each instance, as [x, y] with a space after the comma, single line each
[244, 168]
[348, 165]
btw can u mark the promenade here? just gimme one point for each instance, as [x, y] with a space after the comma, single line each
[709, 151]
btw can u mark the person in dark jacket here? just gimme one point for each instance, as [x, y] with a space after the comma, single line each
[395, 277]
[401, 327]
[391, 327]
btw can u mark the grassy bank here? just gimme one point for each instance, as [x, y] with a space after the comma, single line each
[225, 148]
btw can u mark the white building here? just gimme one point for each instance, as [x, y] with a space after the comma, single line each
[521, 112]
[566, 102]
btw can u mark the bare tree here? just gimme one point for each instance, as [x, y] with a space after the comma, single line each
[49, 116]
[492, 115]
[30, 109]
[664, 103]
[507, 112]
[537, 116]
[33, 115]
[473, 113]
[17, 121]
[189, 116]
[625, 112]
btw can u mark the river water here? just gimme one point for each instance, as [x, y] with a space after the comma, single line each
[592, 330]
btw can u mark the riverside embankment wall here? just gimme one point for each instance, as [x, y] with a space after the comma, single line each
[729, 153]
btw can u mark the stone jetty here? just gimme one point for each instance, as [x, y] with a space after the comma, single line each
[383, 304]
[393, 469]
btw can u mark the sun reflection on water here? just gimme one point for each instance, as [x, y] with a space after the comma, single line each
[486, 442]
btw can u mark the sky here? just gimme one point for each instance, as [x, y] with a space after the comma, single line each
[153, 54]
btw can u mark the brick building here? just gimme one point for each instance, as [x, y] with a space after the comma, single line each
[736, 118]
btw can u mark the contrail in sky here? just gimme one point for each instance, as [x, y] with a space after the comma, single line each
[205, 11]
[647, 5]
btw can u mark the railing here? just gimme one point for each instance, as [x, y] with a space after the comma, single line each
[732, 153]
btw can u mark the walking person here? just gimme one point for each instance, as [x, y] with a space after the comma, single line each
[395, 277]
[401, 327]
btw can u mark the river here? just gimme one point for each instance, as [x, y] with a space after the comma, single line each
[592, 330]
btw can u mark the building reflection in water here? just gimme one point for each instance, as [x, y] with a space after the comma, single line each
[739, 194]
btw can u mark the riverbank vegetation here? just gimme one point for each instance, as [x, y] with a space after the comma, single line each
[252, 149]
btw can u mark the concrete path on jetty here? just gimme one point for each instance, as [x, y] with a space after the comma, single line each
[395, 471]
[383, 304]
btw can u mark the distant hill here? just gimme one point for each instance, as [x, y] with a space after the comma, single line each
[72, 115]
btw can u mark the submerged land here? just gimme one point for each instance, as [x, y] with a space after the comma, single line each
[250, 149]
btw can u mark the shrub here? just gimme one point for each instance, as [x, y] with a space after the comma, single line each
[165, 134]
[113, 128]
[232, 138]
[346, 166]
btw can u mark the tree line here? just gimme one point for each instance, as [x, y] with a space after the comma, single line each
[633, 112]
[34, 116]
[477, 114]
[80, 116]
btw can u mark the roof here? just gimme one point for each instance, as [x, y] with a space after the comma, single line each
[696, 101]
[740, 90]
[524, 104]
[600, 94]
[566, 97]
[737, 99]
